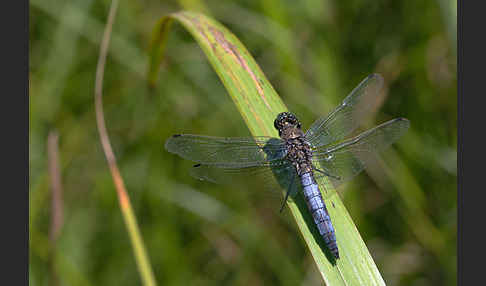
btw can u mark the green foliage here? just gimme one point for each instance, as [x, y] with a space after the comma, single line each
[313, 53]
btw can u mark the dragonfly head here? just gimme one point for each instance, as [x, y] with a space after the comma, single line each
[286, 120]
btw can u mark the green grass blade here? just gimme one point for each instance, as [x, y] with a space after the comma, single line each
[259, 104]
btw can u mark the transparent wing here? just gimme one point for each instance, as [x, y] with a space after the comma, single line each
[227, 175]
[227, 160]
[275, 176]
[226, 152]
[348, 115]
[345, 160]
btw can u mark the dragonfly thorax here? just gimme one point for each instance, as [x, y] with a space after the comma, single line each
[299, 153]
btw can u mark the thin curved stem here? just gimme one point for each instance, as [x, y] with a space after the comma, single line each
[141, 257]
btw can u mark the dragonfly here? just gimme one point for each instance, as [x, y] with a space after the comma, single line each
[294, 161]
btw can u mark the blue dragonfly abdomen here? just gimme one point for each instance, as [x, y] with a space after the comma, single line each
[317, 208]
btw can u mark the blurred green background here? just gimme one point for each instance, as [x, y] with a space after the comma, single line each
[314, 53]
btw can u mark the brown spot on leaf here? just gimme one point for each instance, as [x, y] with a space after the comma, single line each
[199, 28]
[233, 51]
[200, 24]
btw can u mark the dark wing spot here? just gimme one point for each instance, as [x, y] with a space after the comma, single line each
[176, 135]
[197, 165]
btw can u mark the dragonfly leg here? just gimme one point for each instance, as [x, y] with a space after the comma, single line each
[327, 174]
[288, 193]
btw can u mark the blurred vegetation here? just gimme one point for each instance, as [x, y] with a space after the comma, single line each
[314, 53]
